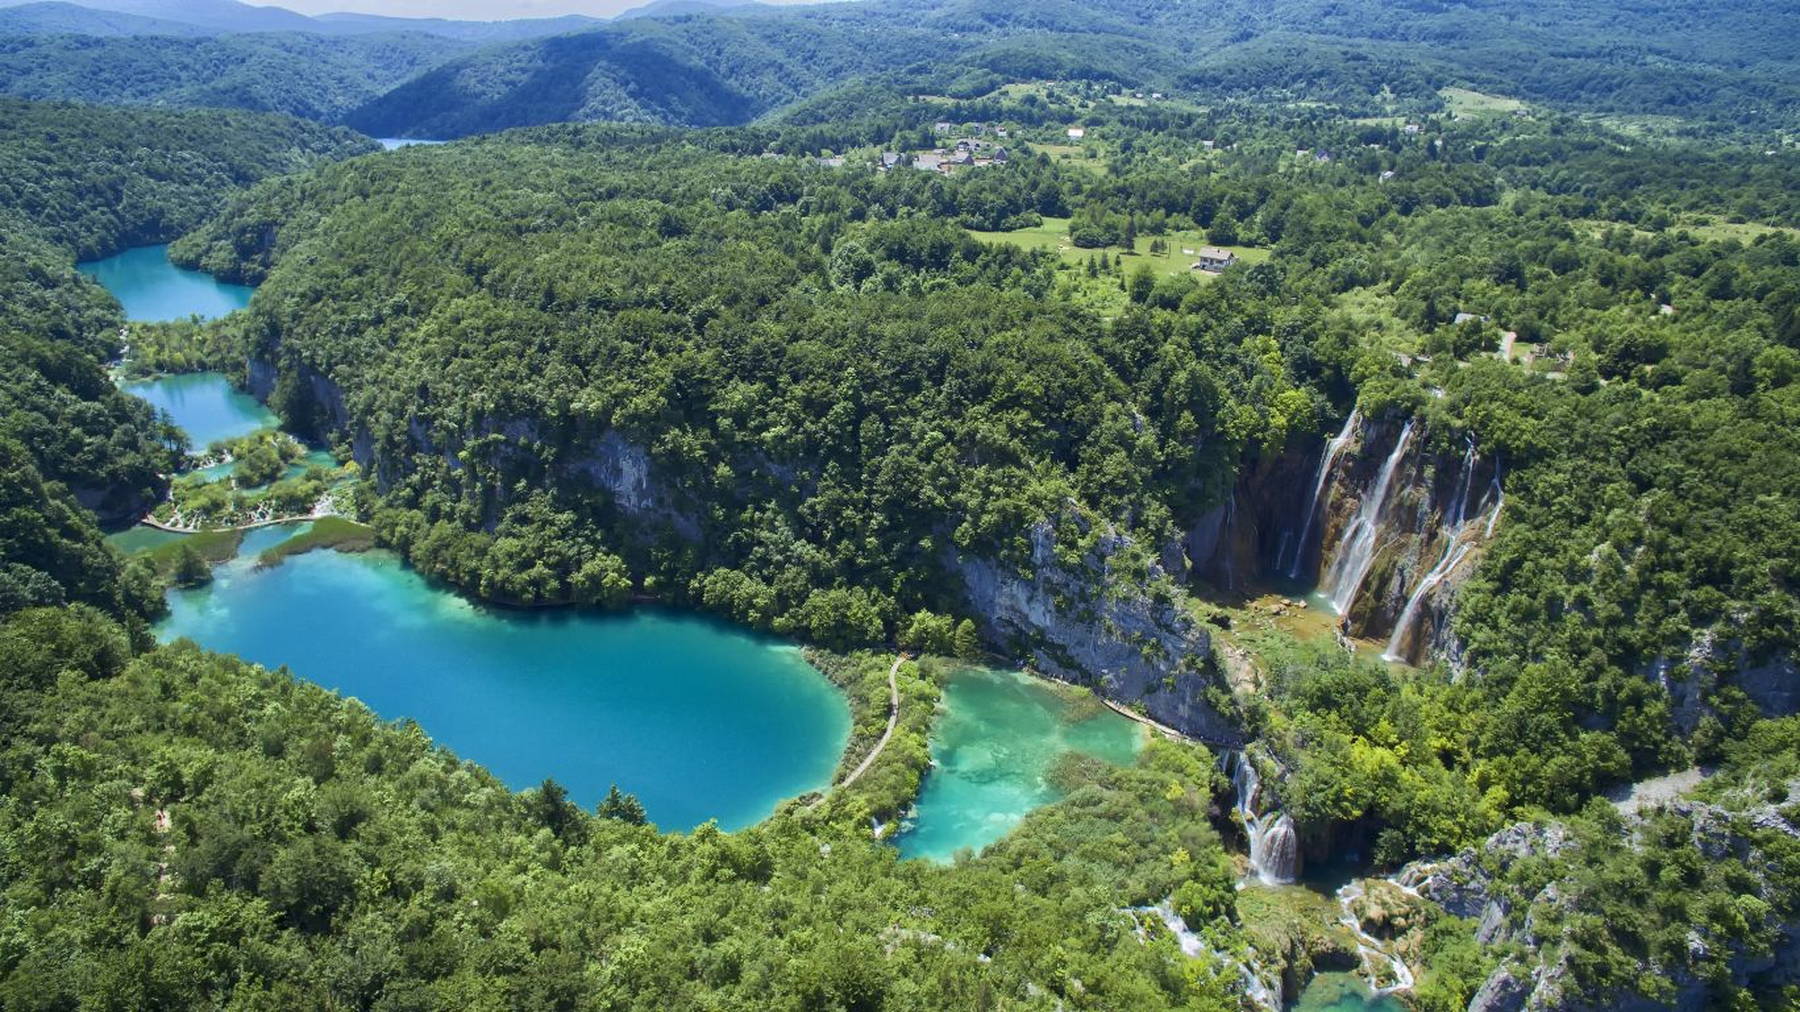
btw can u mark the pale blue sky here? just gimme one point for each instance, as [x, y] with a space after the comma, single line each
[475, 10]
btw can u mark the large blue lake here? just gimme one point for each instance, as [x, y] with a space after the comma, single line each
[698, 719]
[205, 405]
[154, 290]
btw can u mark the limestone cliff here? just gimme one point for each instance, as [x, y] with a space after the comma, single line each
[1084, 622]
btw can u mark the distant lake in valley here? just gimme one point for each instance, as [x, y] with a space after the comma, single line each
[396, 143]
[699, 719]
[153, 290]
[997, 737]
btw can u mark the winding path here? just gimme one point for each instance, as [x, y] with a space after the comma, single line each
[1167, 731]
[893, 719]
[150, 521]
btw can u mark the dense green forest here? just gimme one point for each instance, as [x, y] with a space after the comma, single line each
[592, 365]
[754, 314]
[1662, 62]
[318, 77]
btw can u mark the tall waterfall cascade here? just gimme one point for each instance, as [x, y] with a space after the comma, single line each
[1274, 845]
[1326, 461]
[1457, 546]
[1356, 552]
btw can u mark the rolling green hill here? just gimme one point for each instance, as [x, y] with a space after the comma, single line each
[311, 76]
[1663, 58]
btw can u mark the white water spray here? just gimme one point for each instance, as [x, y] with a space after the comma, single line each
[1369, 947]
[1326, 460]
[1358, 552]
[1456, 549]
[1274, 845]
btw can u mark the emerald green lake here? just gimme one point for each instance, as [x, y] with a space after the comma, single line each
[997, 736]
[153, 290]
[699, 719]
[206, 406]
[1343, 992]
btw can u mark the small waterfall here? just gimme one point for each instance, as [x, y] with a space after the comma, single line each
[1369, 947]
[1225, 537]
[1326, 460]
[1274, 845]
[1193, 946]
[1499, 500]
[1456, 549]
[1357, 551]
[1454, 553]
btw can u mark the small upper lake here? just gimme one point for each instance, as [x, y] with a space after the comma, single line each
[153, 290]
[396, 143]
[997, 737]
[698, 719]
[1343, 992]
[205, 405]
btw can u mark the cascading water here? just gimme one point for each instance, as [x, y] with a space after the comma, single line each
[1274, 846]
[1456, 549]
[1194, 946]
[1499, 500]
[1357, 553]
[1369, 947]
[1326, 460]
[1454, 553]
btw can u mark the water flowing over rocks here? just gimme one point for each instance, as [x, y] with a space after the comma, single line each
[1389, 522]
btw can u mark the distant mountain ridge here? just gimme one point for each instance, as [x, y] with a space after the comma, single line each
[230, 17]
[697, 63]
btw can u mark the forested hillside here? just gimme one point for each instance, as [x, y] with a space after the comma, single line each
[392, 77]
[1666, 59]
[1064, 407]
[314, 76]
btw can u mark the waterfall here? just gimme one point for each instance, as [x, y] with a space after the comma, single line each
[1454, 553]
[1328, 458]
[1369, 947]
[1226, 528]
[1357, 552]
[1456, 549]
[1274, 846]
[1193, 946]
[1499, 500]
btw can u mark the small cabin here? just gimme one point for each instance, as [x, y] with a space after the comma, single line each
[1214, 259]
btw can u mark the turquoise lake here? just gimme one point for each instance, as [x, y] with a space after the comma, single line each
[698, 719]
[205, 405]
[1343, 992]
[154, 290]
[997, 737]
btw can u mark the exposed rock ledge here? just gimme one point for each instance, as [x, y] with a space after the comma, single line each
[1129, 644]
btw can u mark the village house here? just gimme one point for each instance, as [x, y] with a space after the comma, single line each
[1077, 133]
[1213, 259]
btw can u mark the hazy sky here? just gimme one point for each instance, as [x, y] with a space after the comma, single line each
[476, 10]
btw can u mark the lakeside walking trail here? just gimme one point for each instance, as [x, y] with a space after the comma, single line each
[149, 521]
[893, 719]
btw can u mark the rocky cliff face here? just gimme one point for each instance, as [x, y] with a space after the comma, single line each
[1085, 624]
[1537, 973]
[1379, 548]
[1714, 660]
